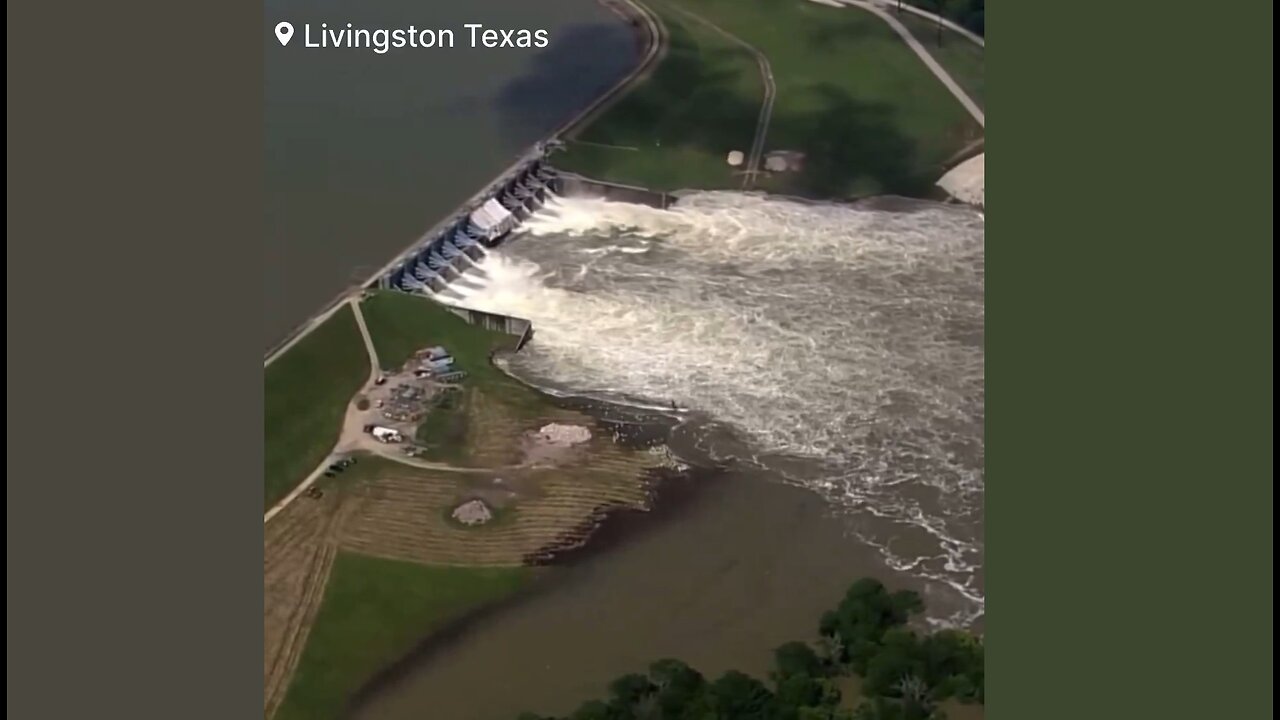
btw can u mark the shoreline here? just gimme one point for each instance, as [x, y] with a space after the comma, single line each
[671, 491]
[648, 29]
[623, 524]
[709, 576]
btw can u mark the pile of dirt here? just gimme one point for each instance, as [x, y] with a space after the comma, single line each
[473, 512]
[554, 443]
[564, 435]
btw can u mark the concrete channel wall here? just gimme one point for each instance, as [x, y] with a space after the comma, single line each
[571, 185]
[519, 327]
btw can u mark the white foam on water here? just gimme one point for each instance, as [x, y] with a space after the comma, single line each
[849, 338]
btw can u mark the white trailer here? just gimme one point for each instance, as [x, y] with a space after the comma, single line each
[386, 435]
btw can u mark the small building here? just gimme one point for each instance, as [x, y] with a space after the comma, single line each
[736, 157]
[784, 161]
[493, 220]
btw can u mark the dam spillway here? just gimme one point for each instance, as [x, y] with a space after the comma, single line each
[448, 253]
[456, 245]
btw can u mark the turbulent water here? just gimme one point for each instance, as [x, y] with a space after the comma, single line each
[842, 344]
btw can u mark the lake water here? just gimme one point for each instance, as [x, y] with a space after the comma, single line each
[365, 152]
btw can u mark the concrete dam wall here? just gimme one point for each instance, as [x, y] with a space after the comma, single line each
[456, 245]
[460, 242]
[518, 327]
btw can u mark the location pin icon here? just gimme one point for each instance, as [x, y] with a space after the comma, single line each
[284, 31]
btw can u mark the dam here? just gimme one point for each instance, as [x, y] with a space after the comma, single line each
[448, 252]
[462, 240]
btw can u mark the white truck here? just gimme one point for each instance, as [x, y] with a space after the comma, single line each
[384, 434]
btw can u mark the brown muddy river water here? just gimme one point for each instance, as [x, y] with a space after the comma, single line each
[738, 567]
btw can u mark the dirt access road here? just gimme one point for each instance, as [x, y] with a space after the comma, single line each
[877, 9]
[874, 7]
[353, 438]
[766, 105]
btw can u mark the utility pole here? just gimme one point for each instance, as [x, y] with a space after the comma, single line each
[940, 4]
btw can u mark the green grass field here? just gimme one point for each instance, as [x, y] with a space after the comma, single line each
[306, 394]
[374, 612]
[444, 430]
[675, 129]
[851, 95]
[401, 324]
[961, 58]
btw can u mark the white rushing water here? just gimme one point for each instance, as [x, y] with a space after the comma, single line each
[845, 344]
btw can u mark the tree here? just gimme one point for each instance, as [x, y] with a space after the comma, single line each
[866, 612]
[796, 658]
[904, 674]
[954, 664]
[795, 692]
[680, 690]
[824, 713]
[890, 709]
[735, 696]
[629, 690]
[596, 710]
[912, 689]
[899, 656]
[833, 650]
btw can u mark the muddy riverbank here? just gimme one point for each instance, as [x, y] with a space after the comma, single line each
[726, 565]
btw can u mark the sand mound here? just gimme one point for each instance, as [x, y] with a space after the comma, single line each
[564, 435]
[473, 512]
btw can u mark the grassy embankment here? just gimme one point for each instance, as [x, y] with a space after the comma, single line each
[376, 611]
[401, 324]
[306, 393]
[667, 132]
[373, 614]
[962, 58]
[851, 95]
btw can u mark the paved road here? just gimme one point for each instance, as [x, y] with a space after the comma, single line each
[766, 107]
[878, 10]
[656, 50]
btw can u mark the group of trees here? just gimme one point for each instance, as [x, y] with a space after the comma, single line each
[905, 674]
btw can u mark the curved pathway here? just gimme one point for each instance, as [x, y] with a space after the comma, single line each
[656, 49]
[878, 10]
[354, 303]
[766, 106]
[352, 437]
[958, 29]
